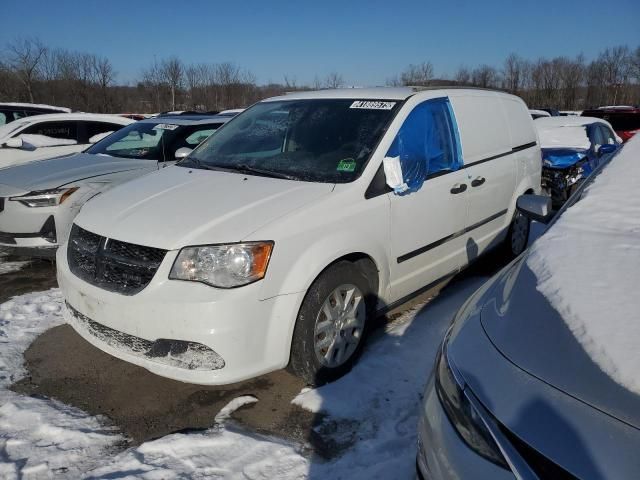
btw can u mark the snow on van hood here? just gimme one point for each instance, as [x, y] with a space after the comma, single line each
[55, 172]
[178, 206]
[588, 267]
[567, 136]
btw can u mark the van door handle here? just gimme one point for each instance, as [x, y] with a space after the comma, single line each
[476, 182]
[458, 188]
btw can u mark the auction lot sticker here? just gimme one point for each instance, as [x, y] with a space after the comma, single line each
[165, 126]
[372, 105]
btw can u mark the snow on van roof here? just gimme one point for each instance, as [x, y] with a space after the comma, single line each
[588, 267]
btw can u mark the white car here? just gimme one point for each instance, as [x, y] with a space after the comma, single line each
[279, 238]
[39, 200]
[52, 135]
[11, 111]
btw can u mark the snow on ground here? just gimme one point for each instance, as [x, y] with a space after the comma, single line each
[379, 402]
[39, 437]
[588, 266]
[11, 266]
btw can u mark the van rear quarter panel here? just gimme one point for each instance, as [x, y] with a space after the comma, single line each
[523, 132]
[482, 125]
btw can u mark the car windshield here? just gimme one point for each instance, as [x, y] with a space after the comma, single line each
[311, 140]
[153, 140]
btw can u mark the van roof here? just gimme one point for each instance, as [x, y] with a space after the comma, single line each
[374, 93]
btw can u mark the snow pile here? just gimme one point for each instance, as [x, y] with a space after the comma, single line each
[569, 136]
[224, 414]
[40, 438]
[588, 267]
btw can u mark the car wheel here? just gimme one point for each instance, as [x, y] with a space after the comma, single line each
[331, 325]
[518, 236]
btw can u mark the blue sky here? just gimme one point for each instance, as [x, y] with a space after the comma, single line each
[366, 41]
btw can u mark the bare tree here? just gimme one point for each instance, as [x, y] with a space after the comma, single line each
[104, 75]
[334, 80]
[513, 73]
[316, 84]
[463, 76]
[25, 58]
[172, 72]
[417, 75]
[485, 76]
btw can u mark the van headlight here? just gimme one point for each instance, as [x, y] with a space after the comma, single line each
[461, 413]
[45, 198]
[223, 266]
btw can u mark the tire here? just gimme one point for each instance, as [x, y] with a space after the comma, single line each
[517, 236]
[329, 336]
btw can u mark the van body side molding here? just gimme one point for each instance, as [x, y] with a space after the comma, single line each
[448, 238]
[519, 148]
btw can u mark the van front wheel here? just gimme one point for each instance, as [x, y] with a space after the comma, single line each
[331, 325]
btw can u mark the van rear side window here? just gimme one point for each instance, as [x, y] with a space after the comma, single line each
[427, 143]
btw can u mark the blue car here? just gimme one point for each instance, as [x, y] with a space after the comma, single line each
[572, 147]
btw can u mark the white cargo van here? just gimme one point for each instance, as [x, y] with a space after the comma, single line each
[279, 238]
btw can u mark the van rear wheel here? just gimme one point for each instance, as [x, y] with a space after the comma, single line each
[331, 325]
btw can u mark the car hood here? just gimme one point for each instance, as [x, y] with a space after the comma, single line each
[55, 172]
[179, 206]
[528, 331]
[562, 157]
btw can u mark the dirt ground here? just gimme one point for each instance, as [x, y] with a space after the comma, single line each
[63, 366]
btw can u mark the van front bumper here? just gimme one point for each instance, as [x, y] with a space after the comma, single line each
[185, 331]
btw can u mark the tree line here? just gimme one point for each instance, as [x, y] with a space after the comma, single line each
[30, 71]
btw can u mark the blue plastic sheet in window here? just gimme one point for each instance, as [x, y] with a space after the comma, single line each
[427, 143]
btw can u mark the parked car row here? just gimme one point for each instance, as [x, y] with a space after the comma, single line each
[275, 242]
[39, 200]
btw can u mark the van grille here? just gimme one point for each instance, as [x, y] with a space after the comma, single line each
[112, 265]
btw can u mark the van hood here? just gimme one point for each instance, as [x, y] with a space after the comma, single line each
[59, 171]
[177, 206]
[528, 331]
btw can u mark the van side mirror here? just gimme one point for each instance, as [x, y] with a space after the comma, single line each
[183, 152]
[535, 207]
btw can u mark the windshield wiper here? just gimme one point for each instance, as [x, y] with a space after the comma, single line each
[243, 167]
[240, 167]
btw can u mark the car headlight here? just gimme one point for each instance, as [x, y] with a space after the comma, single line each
[463, 416]
[45, 198]
[224, 266]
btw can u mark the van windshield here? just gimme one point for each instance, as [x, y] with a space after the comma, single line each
[315, 140]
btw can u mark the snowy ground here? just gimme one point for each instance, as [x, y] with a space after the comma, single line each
[40, 438]
[11, 266]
